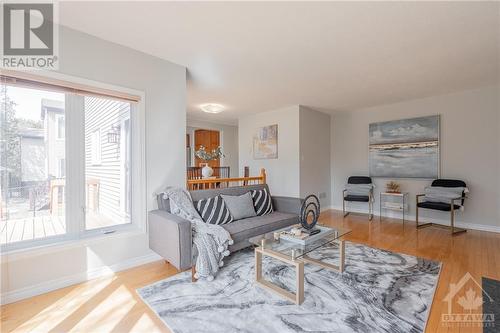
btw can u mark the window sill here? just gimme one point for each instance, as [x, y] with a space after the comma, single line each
[68, 243]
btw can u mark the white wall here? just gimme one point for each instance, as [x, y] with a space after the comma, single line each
[229, 142]
[498, 150]
[303, 163]
[164, 85]
[315, 155]
[470, 149]
[283, 173]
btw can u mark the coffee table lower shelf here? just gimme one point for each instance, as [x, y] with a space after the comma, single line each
[298, 263]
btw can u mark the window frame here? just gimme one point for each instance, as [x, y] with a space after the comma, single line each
[57, 119]
[61, 172]
[96, 156]
[133, 137]
[75, 168]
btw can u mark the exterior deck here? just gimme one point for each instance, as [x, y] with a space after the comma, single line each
[38, 227]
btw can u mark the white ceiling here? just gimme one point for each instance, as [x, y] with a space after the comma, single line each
[254, 57]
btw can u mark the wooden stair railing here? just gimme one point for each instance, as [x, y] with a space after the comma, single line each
[246, 173]
[209, 183]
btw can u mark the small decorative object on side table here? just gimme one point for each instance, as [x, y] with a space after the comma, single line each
[392, 187]
[401, 206]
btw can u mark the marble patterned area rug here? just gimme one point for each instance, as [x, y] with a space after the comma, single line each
[379, 291]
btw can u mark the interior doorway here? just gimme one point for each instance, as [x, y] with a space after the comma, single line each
[209, 139]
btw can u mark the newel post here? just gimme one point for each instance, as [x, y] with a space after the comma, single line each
[263, 175]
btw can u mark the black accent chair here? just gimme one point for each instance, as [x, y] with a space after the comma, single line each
[441, 206]
[358, 198]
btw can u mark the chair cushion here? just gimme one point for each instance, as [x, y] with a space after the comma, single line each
[446, 207]
[448, 183]
[358, 198]
[262, 202]
[242, 230]
[359, 180]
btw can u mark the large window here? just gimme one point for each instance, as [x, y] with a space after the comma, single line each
[52, 166]
[32, 157]
[107, 161]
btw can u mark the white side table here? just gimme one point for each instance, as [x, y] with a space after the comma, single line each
[401, 205]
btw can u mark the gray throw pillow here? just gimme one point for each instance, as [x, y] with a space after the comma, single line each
[443, 194]
[359, 189]
[240, 206]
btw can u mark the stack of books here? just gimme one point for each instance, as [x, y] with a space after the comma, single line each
[305, 238]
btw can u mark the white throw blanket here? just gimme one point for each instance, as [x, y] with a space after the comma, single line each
[211, 240]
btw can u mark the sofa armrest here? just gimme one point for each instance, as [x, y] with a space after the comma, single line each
[287, 204]
[170, 237]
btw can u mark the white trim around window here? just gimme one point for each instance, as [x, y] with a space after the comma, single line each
[75, 171]
[60, 132]
[95, 147]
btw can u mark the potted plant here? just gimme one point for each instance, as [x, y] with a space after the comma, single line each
[206, 156]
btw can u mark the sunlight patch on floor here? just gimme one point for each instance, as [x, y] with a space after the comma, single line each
[63, 306]
[107, 314]
[145, 324]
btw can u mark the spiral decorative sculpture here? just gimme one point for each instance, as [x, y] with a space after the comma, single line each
[310, 206]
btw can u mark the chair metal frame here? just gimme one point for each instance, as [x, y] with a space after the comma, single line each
[454, 230]
[370, 204]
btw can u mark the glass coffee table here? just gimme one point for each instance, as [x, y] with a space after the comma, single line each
[295, 254]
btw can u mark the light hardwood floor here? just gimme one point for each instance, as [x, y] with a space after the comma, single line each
[112, 305]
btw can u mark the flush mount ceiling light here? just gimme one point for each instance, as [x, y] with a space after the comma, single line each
[212, 108]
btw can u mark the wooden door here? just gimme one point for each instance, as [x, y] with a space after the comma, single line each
[208, 139]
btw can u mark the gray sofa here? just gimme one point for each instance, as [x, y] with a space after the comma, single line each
[170, 235]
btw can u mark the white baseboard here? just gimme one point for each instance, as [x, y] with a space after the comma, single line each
[45, 287]
[325, 208]
[465, 225]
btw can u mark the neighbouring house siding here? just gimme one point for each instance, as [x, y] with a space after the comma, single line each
[54, 146]
[33, 157]
[106, 116]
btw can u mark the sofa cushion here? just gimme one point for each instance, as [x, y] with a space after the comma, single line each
[262, 202]
[240, 206]
[242, 230]
[236, 190]
[214, 210]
